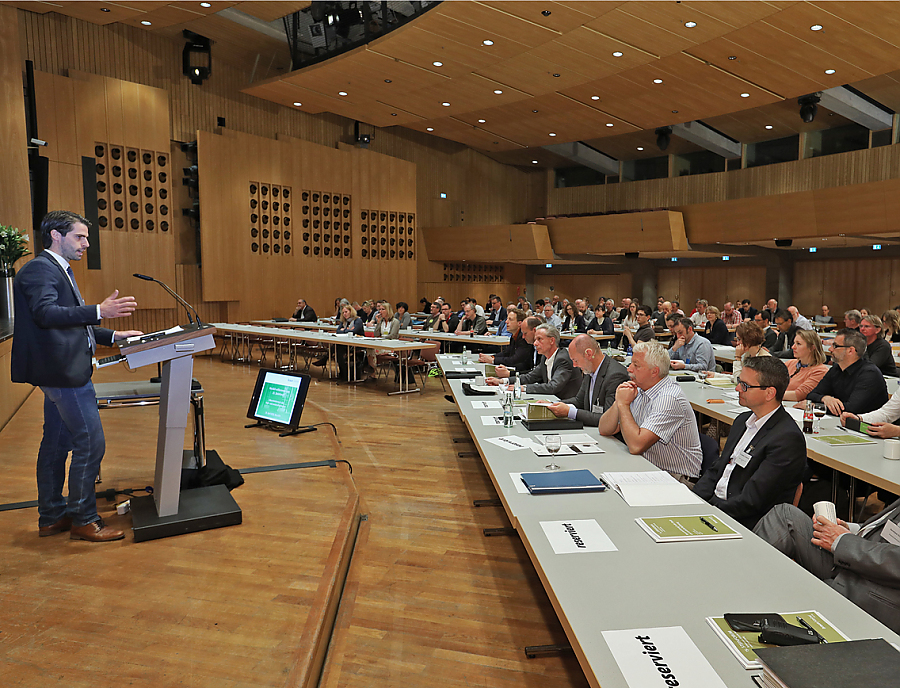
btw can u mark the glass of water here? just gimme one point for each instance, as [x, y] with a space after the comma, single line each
[553, 444]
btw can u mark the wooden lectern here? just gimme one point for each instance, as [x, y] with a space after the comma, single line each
[169, 511]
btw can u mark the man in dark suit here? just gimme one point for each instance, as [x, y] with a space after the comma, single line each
[304, 312]
[518, 354]
[55, 337]
[784, 322]
[860, 561]
[765, 454]
[601, 376]
[498, 312]
[554, 372]
[763, 318]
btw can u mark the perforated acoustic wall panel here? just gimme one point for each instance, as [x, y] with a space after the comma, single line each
[387, 234]
[326, 227]
[132, 189]
[270, 219]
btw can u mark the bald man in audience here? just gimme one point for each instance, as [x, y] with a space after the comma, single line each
[772, 305]
[602, 376]
[800, 321]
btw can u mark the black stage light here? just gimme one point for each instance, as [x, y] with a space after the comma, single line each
[784, 243]
[809, 105]
[196, 57]
[663, 137]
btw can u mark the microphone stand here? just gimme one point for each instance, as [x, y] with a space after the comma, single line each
[180, 300]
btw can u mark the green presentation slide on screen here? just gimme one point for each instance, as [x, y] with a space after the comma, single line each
[276, 400]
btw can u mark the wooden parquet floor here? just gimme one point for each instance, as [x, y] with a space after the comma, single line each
[429, 601]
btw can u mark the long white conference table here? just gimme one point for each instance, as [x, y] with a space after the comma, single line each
[644, 585]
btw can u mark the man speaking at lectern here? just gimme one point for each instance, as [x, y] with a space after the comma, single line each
[54, 339]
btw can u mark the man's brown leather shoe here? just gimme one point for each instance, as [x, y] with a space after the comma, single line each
[97, 531]
[62, 525]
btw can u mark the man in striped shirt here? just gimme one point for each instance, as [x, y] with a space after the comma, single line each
[654, 417]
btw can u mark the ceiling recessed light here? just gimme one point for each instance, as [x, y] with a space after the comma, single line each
[429, 128]
[769, 126]
[534, 111]
[816, 27]
[393, 114]
[657, 81]
[640, 148]
[445, 104]
[732, 57]
[342, 93]
[552, 134]
[690, 24]
[618, 53]
[674, 112]
[487, 42]
[609, 124]
[534, 162]
[145, 22]
[438, 64]
[298, 104]
[829, 71]
[104, 9]
[546, 13]
[556, 76]
[497, 92]
[595, 97]
[205, 4]
[745, 95]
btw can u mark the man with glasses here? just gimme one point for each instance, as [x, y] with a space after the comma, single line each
[498, 312]
[765, 454]
[853, 384]
[787, 329]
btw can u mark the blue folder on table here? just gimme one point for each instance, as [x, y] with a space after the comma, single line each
[552, 482]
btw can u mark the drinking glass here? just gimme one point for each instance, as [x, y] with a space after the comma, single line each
[553, 444]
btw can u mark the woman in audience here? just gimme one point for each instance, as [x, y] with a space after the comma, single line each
[890, 321]
[403, 315]
[368, 311]
[748, 343]
[807, 367]
[386, 327]
[573, 320]
[349, 324]
[864, 312]
[716, 330]
[602, 323]
[631, 319]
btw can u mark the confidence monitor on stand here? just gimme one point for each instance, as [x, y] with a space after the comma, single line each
[278, 400]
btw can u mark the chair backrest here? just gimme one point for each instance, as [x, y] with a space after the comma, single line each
[430, 353]
[710, 449]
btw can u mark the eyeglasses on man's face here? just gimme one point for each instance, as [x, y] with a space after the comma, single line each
[745, 386]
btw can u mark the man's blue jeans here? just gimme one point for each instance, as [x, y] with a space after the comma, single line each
[71, 423]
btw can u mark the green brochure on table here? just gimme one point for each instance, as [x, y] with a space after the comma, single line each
[841, 440]
[744, 643]
[686, 528]
[539, 412]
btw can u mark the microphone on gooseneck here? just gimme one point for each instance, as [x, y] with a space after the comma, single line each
[187, 307]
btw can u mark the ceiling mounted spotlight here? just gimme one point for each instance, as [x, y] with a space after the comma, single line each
[546, 13]
[690, 24]
[663, 137]
[618, 53]
[196, 57]
[809, 106]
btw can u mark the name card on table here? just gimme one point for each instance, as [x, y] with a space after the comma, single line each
[571, 537]
[661, 657]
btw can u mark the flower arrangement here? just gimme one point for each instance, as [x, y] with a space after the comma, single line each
[13, 246]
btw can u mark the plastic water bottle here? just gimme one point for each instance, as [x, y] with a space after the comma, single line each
[629, 350]
[517, 393]
[465, 354]
[508, 411]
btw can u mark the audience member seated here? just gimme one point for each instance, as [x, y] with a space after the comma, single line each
[654, 417]
[715, 330]
[350, 324]
[852, 319]
[601, 324]
[658, 311]
[367, 313]
[890, 322]
[763, 318]
[644, 332]
[602, 375]
[699, 317]
[304, 312]
[765, 453]
[403, 315]
[807, 368]
[787, 329]
[730, 316]
[659, 319]
[689, 351]
[748, 343]
[676, 308]
[630, 320]
[855, 559]
[573, 321]
[432, 319]
[625, 311]
[747, 311]
[878, 350]
[471, 322]
[519, 353]
[800, 321]
[447, 322]
[557, 306]
[497, 314]
[551, 317]
[339, 304]
[824, 318]
[772, 305]
[853, 384]
[554, 372]
[386, 327]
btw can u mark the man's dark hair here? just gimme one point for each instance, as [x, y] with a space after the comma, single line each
[646, 310]
[855, 339]
[771, 372]
[539, 303]
[61, 221]
[687, 323]
[766, 314]
[745, 302]
[783, 314]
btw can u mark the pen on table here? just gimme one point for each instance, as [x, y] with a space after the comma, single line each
[710, 525]
[811, 629]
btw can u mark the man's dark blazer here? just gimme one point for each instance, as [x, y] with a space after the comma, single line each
[609, 377]
[565, 378]
[783, 344]
[50, 342]
[771, 337]
[778, 459]
[519, 354]
[306, 314]
[498, 317]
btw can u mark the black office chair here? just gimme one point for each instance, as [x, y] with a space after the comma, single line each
[710, 449]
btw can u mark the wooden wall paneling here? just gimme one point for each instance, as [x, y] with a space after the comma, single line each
[809, 287]
[894, 293]
[221, 267]
[745, 282]
[714, 283]
[838, 286]
[857, 209]
[668, 283]
[646, 231]
[872, 286]
[12, 395]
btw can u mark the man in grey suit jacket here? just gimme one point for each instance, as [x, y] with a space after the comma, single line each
[601, 376]
[554, 372]
[862, 562]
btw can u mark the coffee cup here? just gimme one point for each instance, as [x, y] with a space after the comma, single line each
[892, 449]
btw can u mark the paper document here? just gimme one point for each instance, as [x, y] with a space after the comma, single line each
[573, 438]
[485, 388]
[686, 528]
[650, 488]
[577, 536]
[843, 440]
[510, 442]
[660, 657]
[521, 488]
[493, 404]
[171, 330]
[491, 420]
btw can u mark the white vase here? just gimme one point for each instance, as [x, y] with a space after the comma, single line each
[7, 308]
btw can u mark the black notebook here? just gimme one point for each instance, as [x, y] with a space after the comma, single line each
[834, 665]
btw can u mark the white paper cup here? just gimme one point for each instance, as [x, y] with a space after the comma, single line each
[892, 449]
